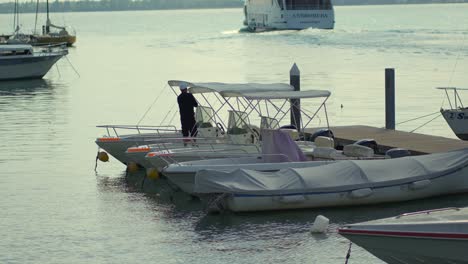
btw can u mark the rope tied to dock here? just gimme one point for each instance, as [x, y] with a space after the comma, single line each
[348, 255]
[417, 118]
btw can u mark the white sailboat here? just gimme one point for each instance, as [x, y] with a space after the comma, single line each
[24, 62]
[457, 115]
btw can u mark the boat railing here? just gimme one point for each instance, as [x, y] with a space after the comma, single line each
[112, 130]
[317, 6]
[46, 49]
[235, 158]
[202, 144]
[429, 211]
[170, 158]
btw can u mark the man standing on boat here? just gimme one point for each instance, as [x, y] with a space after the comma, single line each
[186, 103]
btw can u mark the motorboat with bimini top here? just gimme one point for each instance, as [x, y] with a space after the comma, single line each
[278, 151]
[280, 148]
[262, 15]
[205, 144]
[118, 139]
[457, 115]
[22, 61]
[240, 139]
[437, 236]
[343, 183]
[243, 138]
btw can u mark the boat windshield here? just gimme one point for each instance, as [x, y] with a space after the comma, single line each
[308, 4]
[204, 116]
[268, 123]
[238, 123]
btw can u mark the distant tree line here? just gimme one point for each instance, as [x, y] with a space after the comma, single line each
[120, 5]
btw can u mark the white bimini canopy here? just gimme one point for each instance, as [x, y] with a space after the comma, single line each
[286, 94]
[231, 89]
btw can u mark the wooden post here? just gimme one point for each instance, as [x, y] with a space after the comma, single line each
[295, 81]
[390, 99]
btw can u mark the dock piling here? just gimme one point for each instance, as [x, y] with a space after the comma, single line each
[390, 98]
[295, 81]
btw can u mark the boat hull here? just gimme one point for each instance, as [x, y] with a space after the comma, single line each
[409, 248]
[27, 67]
[45, 39]
[457, 119]
[432, 236]
[117, 146]
[163, 159]
[184, 176]
[456, 182]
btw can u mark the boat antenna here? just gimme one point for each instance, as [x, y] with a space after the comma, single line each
[35, 22]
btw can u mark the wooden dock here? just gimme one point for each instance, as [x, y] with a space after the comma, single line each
[386, 139]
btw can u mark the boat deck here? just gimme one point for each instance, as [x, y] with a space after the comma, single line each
[386, 139]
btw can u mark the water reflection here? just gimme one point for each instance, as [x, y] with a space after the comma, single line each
[25, 87]
[161, 193]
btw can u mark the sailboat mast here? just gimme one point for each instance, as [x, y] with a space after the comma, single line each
[35, 22]
[47, 10]
[17, 15]
[14, 15]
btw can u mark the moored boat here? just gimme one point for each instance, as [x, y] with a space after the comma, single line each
[343, 183]
[25, 62]
[457, 115]
[435, 236]
[117, 140]
[60, 35]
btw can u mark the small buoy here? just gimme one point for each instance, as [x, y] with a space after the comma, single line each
[320, 224]
[152, 173]
[102, 156]
[132, 166]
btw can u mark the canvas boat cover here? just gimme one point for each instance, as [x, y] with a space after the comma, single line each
[285, 149]
[340, 176]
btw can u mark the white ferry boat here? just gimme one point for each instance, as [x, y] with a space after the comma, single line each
[262, 15]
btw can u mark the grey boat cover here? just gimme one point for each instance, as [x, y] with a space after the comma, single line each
[340, 176]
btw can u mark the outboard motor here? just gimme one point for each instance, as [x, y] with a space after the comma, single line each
[370, 143]
[323, 132]
[397, 153]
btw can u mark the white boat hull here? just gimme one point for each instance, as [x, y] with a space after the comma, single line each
[455, 183]
[26, 67]
[343, 183]
[117, 146]
[458, 121]
[162, 159]
[183, 176]
[434, 236]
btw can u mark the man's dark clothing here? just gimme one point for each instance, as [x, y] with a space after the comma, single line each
[186, 103]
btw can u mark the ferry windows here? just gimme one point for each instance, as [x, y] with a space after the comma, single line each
[308, 4]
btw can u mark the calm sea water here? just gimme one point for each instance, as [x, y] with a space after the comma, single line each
[56, 209]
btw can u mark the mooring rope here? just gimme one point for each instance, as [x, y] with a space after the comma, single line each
[425, 124]
[348, 255]
[438, 112]
[151, 106]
